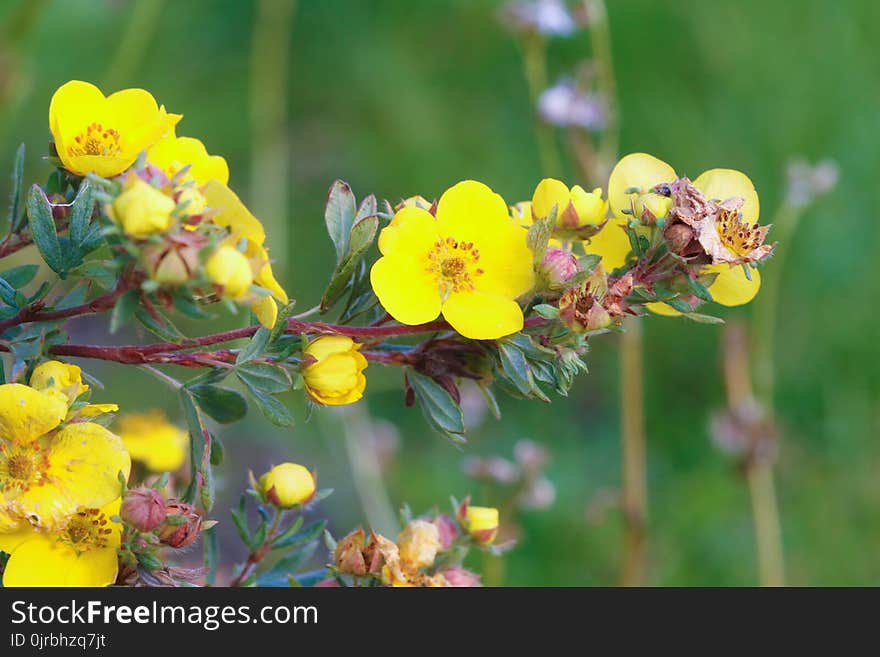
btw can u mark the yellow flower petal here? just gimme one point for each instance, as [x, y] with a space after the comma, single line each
[266, 311]
[26, 414]
[482, 316]
[172, 153]
[548, 194]
[642, 171]
[660, 308]
[412, 231]
[406, 289]
[336, 377]
[231, 213]
[722, 184]
[154, 441]
[230, 269]
[732, 288]
[10, 540]
[94, 410]
[472, 212]
[612, 243]
[85, 460]
[63, 377]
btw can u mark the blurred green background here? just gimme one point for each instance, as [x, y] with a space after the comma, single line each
[403, 98]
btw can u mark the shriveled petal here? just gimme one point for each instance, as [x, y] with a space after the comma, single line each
[231, 213]
[612, 243]
[471, 212]
[482, 316]
[26, 414]
[641, 171]
[412, 231]
[406, 289]
[722, 184]
[731, 287]
[85, 460]
[549, 193]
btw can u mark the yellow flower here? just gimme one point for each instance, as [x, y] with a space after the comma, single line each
[575, 208]
[641, 172]
[418, 544]
[47, 470]
[469, 263]
[79, 552]
[154, 441]
[288, 485]
[141, 209]
[638, 170]
[481, 523]
[56, 377]
[264, 307]
[335, 374]
[173, 153]
[231, 270]
[104, 135]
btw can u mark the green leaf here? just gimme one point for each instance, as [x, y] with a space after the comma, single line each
[539, 235]
[124, 309]
[339, 216]
[255, 347]
[273, 409]
[308, 533]
[20, 276]
[516, 366]
[437, 404]
[222, 404]
[217, 451]
[160, 327]
[362, 235]
[81, 215]
[281, 321]
[200, 440]
[212, 555]
[264, 377]
[546, 311]
[699, 290]
[703, 319]
[15, 215]
[43, 230]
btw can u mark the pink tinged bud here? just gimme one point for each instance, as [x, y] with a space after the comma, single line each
[327, 584]
[459, 577]
[447, 531]
[559, 266]
[581, 311]
[182, 525]
[143, 509]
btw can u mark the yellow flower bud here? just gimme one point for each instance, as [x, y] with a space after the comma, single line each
[481, 523]
[59, 377]
[230, 269]
[142, 210]
[194, 199]
[418, 544]
[287, 485]
[334, 372]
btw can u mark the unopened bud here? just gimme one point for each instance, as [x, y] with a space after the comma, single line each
[182, 524]
[288, 485]
[558, 267]
[678, 237]
[143, 508]
[447, 531]
[459, 577]
[481, 522]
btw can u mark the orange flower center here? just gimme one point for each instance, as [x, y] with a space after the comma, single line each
[96, 140]
[739, 237]
[86, 530]
[22, 466]
[454, 265]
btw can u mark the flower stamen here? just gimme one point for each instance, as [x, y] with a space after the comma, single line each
[86, 530]
[453, 264]
[22, 467]
[96, 140]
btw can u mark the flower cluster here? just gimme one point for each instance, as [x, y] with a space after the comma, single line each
[429, 551]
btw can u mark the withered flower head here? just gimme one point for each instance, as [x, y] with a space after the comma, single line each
[719, 229]
[349, 555]
[581, 310]
[182, 524]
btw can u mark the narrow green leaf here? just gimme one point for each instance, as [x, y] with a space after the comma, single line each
[273, 409]
[15, 215]
[222, 404]
[703, 319]
[81, 214]
[699, 290]
[516, 366]
[339, 216]
[362, 235]
[124, 309]
[437, 404]
[264, 377]
[546, 311]
[199, 441]
[212, 555]
[20, 276]
[256, 346]
[43, 229]
[161, 327]
[308, 533]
